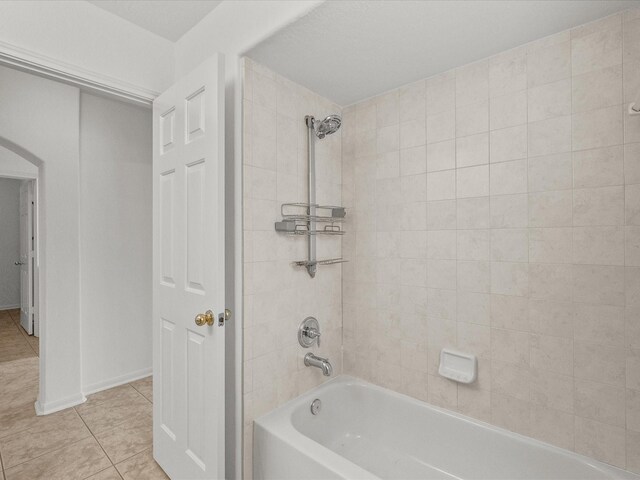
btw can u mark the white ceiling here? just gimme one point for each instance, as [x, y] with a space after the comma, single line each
[168, 18]
[350, 50]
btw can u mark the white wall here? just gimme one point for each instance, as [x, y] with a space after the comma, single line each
[86, 37]
[14, 166]
[40, 120]
[9, 243]
[115, 241]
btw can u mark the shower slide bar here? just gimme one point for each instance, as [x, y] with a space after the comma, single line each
[303, 218]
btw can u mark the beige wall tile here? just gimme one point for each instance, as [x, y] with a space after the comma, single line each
[599, 284]
[441, 156]
[472, 83]
[472, 181]
[413, 161]
[508, 110]
[550, 172]
[598, 206]
[601, 402]
[507, 75]
[551, 245]
[549, 63]
[472, 150]
[600, 167]
[597, 128]
[551, 209]
[551, 318]
[632, 163]
[633, 410]
[411, 101]
[510, 245]
[599, 245]
[441, 92]
[632, 204]
[473, 307]
[552, 390]
[473, 213]
[549, 100]
[550, 136]
[510, 312]
[509, 211]
[472, 245]
[441, 126]
[597, 89]
[508, 144]
[474, 403]
[509, 177]
[511, 413]
[472, 119]
[441, 185]
[596, 46]
[633, 369]
[633, 451]
[552, 426]
[599, 363]
[601, 441]
[510, 346]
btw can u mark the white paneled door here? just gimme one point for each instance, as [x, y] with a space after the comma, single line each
[27, 250]
[188, 275]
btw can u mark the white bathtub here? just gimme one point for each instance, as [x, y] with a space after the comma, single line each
[363, 431]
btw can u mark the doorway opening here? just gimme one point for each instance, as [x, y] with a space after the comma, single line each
[19, 285]
[18, 256]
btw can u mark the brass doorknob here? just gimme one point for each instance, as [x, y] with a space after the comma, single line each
[203, 318]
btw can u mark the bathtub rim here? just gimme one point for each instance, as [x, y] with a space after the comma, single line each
[278, 422]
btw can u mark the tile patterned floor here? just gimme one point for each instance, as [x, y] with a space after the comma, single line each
[108, 437]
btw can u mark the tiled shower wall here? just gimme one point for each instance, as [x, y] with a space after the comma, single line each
[495, 209]
[278, 296]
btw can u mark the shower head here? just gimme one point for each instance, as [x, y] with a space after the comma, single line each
[329, 125]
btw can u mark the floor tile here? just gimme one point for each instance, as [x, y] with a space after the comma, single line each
[145, 387]
[112, 413]
[109, 474]
[127, 439]
[52, 433]
[113, 395]
[141, 467]
[74, 462]
[23, 417]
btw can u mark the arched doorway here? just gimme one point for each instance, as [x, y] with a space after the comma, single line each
[17, 163]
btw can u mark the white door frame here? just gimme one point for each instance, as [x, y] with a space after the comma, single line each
[30, 238]
[35, 266]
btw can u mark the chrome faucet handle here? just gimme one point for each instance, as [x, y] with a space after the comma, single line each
[309, 332]
[313, 333]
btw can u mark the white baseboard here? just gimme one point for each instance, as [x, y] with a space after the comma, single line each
[9, 307]
[117, 381]
[52, 407]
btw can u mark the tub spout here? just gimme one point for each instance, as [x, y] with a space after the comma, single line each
[310, 360]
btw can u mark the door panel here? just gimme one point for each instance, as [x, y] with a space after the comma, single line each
[188, 274]
[26, 255]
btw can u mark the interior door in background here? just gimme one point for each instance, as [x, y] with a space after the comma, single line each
[27, 250]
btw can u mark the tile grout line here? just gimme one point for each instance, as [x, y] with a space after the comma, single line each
[94, 437]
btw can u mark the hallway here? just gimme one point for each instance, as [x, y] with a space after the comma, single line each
[109, 437]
